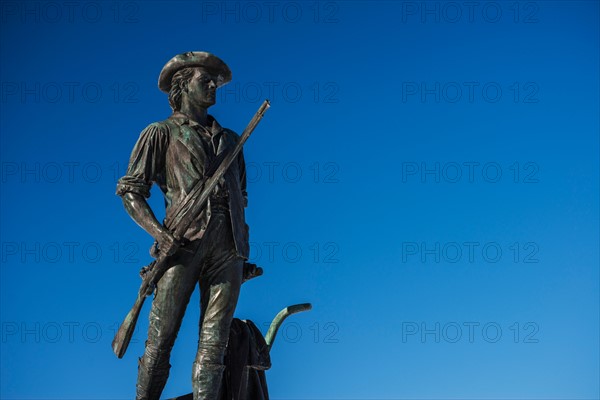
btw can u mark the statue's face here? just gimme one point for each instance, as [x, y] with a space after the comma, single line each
[202, 88]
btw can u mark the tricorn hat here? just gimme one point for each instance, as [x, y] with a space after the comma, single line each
[210, 62]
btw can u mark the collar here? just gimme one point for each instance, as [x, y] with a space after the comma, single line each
[182, 119]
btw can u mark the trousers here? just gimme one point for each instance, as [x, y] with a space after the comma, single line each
[217, 269]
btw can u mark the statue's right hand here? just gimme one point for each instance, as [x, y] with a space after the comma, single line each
[167, 244]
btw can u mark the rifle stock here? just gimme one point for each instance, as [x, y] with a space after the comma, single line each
[125, 332]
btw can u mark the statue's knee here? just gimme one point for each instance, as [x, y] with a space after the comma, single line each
[156, 357]
[213, 354]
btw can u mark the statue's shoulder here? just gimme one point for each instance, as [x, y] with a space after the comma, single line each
[160, 127]
[158, 133]
[168, 124]
[165, 128]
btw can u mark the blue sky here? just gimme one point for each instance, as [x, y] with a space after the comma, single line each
[427, 177]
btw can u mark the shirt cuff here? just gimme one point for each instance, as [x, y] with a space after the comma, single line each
[130, 184]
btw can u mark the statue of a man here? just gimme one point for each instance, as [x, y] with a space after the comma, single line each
[177, 154]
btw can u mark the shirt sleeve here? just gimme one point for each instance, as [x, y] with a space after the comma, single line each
[147, 162]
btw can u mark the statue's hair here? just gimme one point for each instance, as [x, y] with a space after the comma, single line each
[179, 82]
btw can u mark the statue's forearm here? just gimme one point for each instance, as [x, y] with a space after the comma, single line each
[137, 207]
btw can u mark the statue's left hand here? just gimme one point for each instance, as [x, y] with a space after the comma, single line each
[251, 271]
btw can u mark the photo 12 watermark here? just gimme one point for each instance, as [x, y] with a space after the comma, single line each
[90, 172]
[470, 252]
[70, 12]
[273, 172]
[92, 332]
[327, 92]
[37, 92]
[471, 12]
[473, 172]
[470, 92]
[69, 252]
[270, 12]
[60, 172]
[469, 332]
[50, 332]
[291, 252]
[317, 332]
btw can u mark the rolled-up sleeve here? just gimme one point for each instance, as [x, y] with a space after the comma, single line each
[147, 161]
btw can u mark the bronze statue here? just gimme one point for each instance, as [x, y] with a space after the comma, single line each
[204, 238]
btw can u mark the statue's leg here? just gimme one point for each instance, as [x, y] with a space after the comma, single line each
[168, 307]
[220, 283]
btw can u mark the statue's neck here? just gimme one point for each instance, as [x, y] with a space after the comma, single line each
[194, 112]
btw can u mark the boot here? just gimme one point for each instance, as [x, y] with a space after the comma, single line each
[151, 380]
[206, 381]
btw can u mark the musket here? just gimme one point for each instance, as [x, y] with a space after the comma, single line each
[194, 203]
